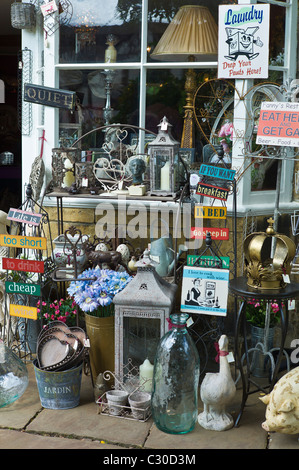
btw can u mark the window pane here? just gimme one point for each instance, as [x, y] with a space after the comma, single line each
[94, 23]
[90, 88]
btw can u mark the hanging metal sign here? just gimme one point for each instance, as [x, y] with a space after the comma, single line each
[207, 261]
[49, 96]
[217, 172]
[20, 241]
[25, 217]
[28, 265]
[23, 311]
[212, 191]
[216, 233]
[12, 287]
[210, 212]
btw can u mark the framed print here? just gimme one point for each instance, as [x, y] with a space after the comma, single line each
[205, 291]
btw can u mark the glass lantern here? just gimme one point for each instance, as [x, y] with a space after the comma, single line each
[141, 312]
[165, 164]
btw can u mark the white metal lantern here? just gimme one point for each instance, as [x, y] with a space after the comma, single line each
[141, 310]
[165, 163]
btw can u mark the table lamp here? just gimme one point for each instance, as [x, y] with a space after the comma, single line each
[191, 36]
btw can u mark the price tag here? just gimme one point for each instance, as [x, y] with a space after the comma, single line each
[84, 183]
[286, 278]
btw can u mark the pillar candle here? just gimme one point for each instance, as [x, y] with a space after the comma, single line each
[69, 177]
[165, 181]
[146, 371]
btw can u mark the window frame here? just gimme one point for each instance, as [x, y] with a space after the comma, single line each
[47, 118]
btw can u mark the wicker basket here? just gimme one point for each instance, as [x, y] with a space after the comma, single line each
[22, 15]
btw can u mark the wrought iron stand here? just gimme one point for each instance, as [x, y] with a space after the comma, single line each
[239, 288]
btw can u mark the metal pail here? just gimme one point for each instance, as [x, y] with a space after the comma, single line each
[59, 390]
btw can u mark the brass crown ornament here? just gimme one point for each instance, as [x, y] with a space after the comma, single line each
[268, 256]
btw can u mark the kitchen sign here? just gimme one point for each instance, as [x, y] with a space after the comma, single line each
[243, 41]
[49, 96]
[207, 261]
[278, 124]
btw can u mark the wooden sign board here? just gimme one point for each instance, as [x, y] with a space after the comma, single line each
[217, 172]
[216, 233]
[12, 287]
[23, 311]
[20, 241]
[212, 191]
[24, 217]
[49, 96]
[210, 212]
[278, 124]
[27, 265]
[206, 261]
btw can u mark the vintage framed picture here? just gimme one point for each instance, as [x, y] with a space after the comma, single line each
[205, 291]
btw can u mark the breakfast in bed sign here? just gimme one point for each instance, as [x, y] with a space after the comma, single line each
[243, 42]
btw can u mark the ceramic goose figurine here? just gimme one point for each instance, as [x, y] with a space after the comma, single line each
[216, 392]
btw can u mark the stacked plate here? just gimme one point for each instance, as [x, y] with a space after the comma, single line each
[60, 347]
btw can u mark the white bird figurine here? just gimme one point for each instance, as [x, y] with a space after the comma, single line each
[216, 392]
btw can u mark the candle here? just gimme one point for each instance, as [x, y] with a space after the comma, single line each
[69, 177]
[146, 371]
[165, 182]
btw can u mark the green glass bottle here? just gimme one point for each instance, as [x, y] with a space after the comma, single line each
[175, 379]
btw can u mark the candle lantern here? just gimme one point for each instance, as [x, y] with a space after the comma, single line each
[165, 164]
[63, 167]
[141, 310]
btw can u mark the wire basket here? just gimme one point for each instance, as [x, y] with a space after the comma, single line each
[22, 15]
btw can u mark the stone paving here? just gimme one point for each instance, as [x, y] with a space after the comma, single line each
[27, 425]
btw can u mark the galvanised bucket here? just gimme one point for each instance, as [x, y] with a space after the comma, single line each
[59, 390]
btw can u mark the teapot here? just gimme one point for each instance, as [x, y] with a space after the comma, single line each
[162, 252]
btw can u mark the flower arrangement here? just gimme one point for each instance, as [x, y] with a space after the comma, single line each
[95, 294]
[226, 135]
[256, 313]
[63, 310]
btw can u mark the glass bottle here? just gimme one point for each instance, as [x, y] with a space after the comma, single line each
[13, 376]
[175, 379]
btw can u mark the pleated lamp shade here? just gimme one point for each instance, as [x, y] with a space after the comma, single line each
[191, 35]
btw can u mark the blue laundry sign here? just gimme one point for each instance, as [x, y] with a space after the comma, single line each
[243, 41]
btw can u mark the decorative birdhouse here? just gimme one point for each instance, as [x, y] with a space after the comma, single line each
[165, 163]
[268, 256]
[141, 310]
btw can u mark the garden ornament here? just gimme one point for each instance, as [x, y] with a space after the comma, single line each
[216, 392]
[282, 412]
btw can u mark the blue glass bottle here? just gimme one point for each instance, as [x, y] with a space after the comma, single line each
[175, 379]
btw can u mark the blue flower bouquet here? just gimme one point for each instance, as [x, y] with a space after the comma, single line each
[94, 293]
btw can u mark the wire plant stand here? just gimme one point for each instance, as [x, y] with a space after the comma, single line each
[130, 383]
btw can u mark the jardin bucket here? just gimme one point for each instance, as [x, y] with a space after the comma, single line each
[59, 390]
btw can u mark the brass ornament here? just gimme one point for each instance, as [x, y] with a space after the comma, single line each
[262, 270]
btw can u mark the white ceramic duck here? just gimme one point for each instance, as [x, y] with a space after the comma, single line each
[216, 392]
